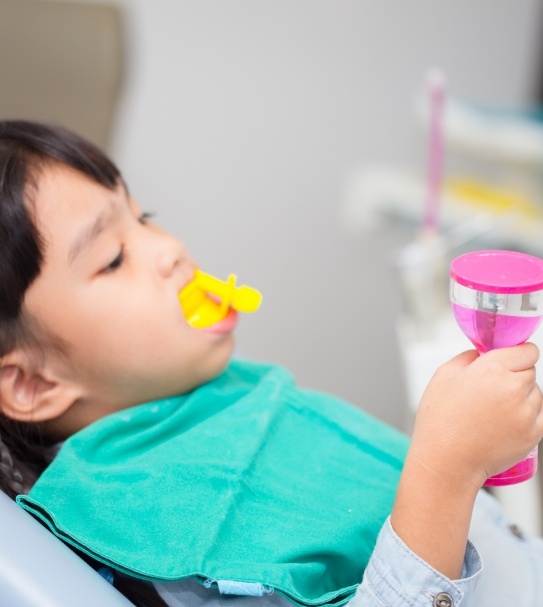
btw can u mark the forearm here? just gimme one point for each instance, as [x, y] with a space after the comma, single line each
[432, 514]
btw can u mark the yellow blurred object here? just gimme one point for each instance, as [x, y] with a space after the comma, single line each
[492, 199]
[202, 311]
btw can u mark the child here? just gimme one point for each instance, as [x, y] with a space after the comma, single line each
[178, 466]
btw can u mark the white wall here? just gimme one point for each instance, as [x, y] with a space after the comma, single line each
[240, 122]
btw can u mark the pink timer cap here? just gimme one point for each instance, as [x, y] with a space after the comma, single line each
[498, 272]
[497, 297]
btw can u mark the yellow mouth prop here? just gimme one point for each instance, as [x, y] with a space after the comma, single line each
[206, 300]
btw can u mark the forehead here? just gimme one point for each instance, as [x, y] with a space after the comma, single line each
[62, 192]
[65, 201]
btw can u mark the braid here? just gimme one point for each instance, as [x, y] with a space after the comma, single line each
[24, 455]
[11, 479]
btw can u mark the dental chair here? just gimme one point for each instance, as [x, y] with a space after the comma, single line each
[38, 570]
[63, 62]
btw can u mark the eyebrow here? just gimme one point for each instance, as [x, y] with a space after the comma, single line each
[88, 234]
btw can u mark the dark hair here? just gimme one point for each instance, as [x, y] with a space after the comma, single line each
[26, 148]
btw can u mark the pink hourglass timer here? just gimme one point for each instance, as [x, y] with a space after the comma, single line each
[497, 299]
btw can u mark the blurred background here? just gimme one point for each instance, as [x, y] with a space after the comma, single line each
[285, 141]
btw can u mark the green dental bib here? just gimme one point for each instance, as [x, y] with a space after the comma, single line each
[247, 478]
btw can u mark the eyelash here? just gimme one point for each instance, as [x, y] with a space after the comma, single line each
[117, 262]
[144, 217]
[121, 257]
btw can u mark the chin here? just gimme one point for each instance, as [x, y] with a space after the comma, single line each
[222, 358]
[219, 365]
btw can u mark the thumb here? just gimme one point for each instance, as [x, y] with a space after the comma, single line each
[459, 362]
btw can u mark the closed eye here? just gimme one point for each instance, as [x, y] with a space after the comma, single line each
[115, 263]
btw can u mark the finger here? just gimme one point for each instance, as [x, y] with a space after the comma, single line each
[539, 420]
[535, 398]
[530, 378]
[517, 358]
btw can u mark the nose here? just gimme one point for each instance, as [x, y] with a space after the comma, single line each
[170, 254]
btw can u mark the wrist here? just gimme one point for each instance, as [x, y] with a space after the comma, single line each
[444, 465]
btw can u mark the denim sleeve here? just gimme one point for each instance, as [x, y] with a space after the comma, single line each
[397, 577]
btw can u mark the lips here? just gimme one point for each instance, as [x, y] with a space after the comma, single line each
[226, 325]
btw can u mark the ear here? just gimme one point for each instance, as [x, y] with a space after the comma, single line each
[29, 391]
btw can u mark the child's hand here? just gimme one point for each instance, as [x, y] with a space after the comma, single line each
[479, 415]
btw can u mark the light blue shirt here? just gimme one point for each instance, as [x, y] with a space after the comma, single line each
[397, 577]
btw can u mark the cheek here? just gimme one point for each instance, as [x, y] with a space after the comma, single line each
[105, 332]
[145, 336]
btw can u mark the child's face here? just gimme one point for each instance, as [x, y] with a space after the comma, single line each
[109, 291]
